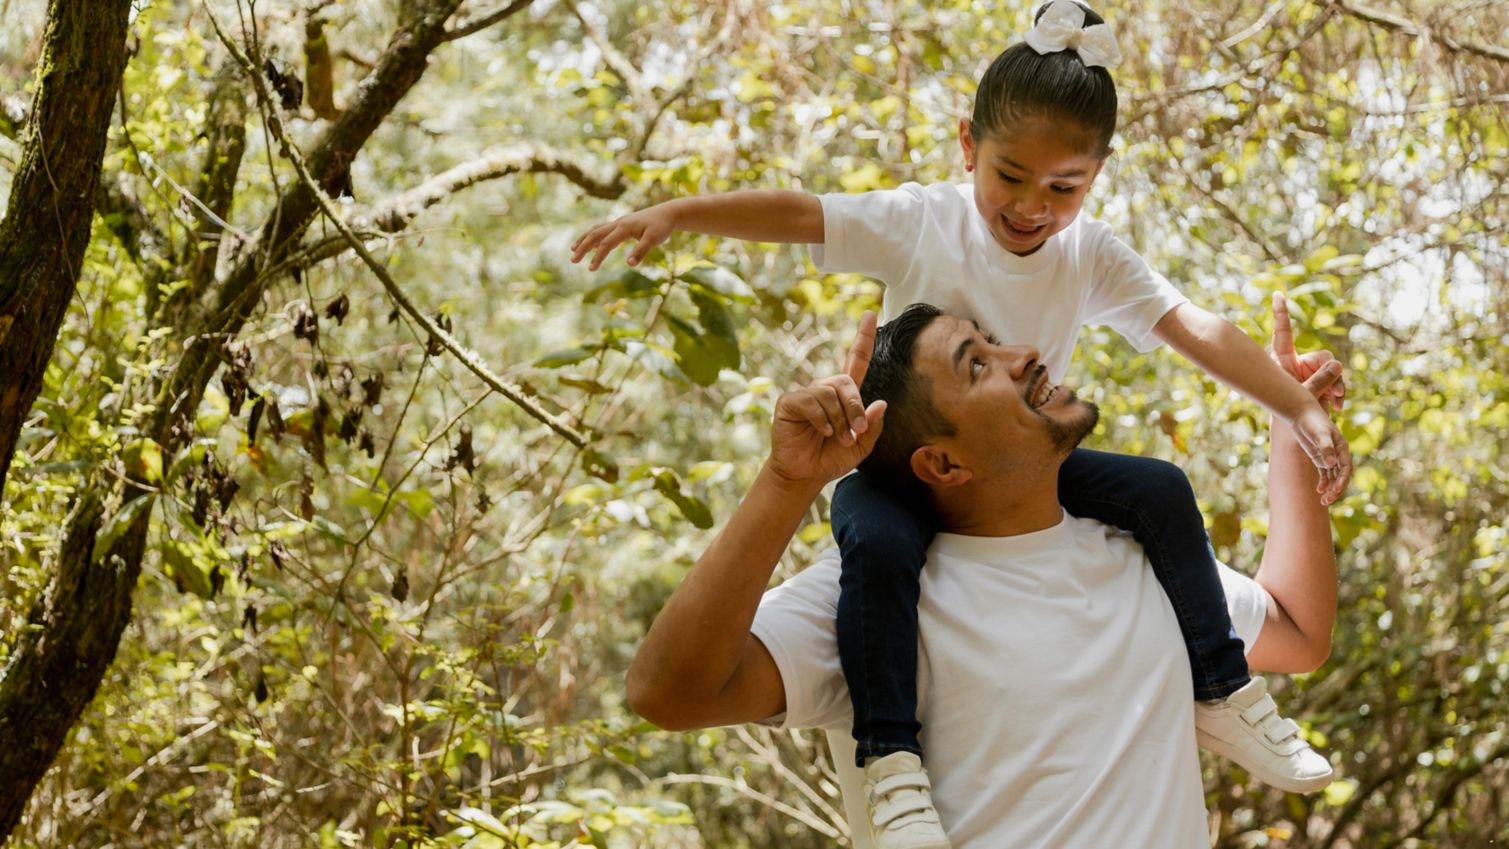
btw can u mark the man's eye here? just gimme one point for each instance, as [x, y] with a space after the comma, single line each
[975, 367]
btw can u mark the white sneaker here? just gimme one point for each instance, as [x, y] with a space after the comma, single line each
[901, 804]
[1246, 728]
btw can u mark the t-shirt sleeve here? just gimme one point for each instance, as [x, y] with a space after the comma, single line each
[1127, 294]
[1247, 602]
[796, 622]
[872, 233]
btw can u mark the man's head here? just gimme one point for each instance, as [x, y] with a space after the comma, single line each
[962, 407]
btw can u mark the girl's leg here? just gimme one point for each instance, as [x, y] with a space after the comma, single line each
[883, 536]
[1153, 499]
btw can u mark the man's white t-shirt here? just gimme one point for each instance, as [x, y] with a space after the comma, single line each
[1054, 690]
[929, 244]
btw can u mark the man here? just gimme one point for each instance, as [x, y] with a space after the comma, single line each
[1052, 677]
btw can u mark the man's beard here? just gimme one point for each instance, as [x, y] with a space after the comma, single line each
[1066, 436]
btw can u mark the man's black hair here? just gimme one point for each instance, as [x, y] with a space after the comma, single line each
[1022, 84]
[910, 417]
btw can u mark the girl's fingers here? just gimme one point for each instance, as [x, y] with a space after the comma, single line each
[609, 243]
[583, 244]
[647, 240]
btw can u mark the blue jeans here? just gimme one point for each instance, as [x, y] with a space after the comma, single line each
[884, 537]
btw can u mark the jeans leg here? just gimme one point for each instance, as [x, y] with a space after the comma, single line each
[883, 536]
[1153, 499]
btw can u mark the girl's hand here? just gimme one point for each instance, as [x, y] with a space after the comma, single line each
[649, 227]
[823, 430]
[1316, 434]
[1302, 366]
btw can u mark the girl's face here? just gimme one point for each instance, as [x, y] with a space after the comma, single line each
[1029, 184]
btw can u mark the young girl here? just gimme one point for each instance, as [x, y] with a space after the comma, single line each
[1012, 252]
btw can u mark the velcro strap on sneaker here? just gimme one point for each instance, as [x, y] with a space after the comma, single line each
[1281, 731]
[1261, 708]
[901, 781]
[894, 809]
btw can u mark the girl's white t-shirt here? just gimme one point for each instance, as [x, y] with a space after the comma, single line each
[929, 244]
[1054, 690]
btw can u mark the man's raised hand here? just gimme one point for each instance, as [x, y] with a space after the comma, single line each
[1313, 428]
[823, 430]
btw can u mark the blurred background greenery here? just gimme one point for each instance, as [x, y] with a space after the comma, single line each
[384, 606]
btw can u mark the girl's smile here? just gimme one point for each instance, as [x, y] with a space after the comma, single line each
[1031, 183]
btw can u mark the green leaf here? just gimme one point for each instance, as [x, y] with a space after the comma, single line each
[692, 508]
[599, 465]
[190, 572]
[566, 357]
[143, 460]
[693, 356]
[122, 520]
[585, 384]
[630, 284]
[720, 336]
[720, 281]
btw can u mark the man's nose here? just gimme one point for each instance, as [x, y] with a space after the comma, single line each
[1020, 359]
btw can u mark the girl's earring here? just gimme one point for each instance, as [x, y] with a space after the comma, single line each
[969, 167]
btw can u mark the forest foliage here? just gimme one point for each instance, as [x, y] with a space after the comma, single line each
[389, 593]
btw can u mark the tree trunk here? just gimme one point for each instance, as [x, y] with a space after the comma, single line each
[59, 661]
[47, 223]
[42, 242]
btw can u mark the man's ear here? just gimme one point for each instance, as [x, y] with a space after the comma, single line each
[932, 465]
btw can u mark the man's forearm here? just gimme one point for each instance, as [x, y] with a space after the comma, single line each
[1299, 562]
[764, 215]
[697, 642]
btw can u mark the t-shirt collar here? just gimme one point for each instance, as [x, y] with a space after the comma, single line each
[1000, 549]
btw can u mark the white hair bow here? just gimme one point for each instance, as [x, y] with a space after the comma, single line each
[1062, 27]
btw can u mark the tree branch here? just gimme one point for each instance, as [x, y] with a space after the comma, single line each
[394, 214]
[462, 30]
[402, 63]
[618, 63]
[128, 218]
[468, 358]
[1410, 28]
[216, 192]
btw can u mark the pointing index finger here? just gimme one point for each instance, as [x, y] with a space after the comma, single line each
[857, 363]
[1283, 336]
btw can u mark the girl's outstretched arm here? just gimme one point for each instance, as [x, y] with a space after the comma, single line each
[1226, 353]
[762, 215]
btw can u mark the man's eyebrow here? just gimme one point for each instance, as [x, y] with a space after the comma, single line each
[959, 352]
[989, 337]
[1079, 172]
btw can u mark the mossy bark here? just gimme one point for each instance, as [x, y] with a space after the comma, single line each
[47, 222]
[42, 242]
[57, 664]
